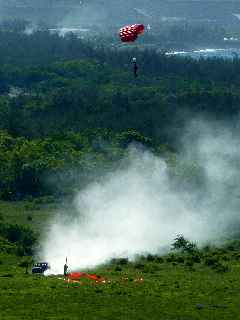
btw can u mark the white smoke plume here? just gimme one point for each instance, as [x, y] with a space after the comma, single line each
[143, 206]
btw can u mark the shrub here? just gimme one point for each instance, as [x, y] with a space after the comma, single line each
[233, 245]
[113, 261]
[230, 247]
[219, 267]
[196, 258]
[20, 251]
[28, 251]
[118, 268]
[150, 257]
[123, 261]
[13, 233]
[159, 260]
[184, 245]
[18, 234]
[180, 242]
[10, 250]
[180, 260]
[139, 266]
[218, 252]
[225, 258]
[150, 268]
[171, 258]
[189, 263]
[214, 263]
[236, 256]
[29, 206]
[207, 248]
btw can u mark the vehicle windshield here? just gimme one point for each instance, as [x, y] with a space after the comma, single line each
[41, 264]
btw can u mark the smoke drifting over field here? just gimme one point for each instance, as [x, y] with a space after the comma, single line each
[143, 205]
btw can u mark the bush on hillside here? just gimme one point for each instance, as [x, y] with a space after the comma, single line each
[184, 245]
[22, 236]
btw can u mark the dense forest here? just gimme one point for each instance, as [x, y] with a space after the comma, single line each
[69, 107]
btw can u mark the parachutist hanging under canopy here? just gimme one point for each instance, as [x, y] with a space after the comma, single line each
[130, 34]
[135, 67]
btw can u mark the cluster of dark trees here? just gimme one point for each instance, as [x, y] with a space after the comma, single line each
[16, 239]
[70, 106]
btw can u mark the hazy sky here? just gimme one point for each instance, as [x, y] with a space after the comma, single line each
[116, 11]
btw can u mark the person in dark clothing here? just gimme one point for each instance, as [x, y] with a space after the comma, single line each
[135, 67]
[65, 268]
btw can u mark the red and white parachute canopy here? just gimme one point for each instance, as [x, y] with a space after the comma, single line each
[130, 33]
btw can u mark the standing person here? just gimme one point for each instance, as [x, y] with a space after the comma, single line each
[65, 268]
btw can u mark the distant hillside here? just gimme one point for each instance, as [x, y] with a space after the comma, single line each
[116, 12]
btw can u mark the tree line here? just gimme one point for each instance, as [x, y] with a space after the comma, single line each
[68, 105]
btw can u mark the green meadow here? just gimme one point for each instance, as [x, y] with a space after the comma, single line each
[203, 284]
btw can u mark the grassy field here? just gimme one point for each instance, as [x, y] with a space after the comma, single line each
[179, 286]
[32, 214]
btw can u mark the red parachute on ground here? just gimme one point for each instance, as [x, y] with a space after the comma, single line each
[130, 33]
[76, 276]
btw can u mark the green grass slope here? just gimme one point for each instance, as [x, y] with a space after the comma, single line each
[180, 286]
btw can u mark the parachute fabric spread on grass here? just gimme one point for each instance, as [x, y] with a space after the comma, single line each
[130, 33]
[77, 276]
